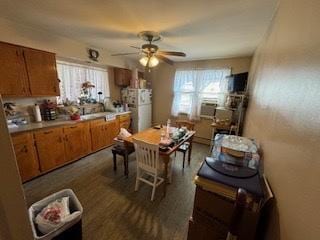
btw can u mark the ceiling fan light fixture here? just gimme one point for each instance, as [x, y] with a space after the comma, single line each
[153, 61]
[143, 61]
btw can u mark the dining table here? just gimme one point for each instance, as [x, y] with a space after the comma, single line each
[153, 136]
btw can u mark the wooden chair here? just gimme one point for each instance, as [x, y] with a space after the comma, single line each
[184, 148]
[149, 164]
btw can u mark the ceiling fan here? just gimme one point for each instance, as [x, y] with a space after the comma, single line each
[151, 54]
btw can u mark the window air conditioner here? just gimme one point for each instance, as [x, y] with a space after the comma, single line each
[208, 108]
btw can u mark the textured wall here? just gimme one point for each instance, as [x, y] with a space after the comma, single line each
[284, 115]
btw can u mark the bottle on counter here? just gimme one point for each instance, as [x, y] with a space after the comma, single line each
[168, 128]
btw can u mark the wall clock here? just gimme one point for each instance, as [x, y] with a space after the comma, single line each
[93, 54]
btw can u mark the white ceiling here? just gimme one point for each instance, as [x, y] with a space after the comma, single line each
[203, 29]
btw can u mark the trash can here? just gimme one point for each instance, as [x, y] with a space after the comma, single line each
[70, 230]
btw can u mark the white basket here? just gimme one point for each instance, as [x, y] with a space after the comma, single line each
[36, 208]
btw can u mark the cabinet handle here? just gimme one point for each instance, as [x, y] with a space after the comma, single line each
[47, 132]
[74, 127]
[24, 149]
[60, 139]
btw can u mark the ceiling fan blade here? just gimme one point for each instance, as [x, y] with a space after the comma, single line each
[135, 47]
[165, 59]
[170, 53]
[123, 54]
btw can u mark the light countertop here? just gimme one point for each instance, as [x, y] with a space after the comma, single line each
[60, 122]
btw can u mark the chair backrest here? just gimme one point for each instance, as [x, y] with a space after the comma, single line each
[185, 123]
[147, 155]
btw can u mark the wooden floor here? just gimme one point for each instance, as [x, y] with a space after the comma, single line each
[112, 210]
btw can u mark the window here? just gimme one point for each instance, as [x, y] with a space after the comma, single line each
[192, 86]
[73, 75]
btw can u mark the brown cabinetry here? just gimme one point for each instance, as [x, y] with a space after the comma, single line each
[103, 133]
[124, 121]
[112, 131]
[26, 156]
[86, 138]
[42, 72]
[43, 150]
[77, 141]
[13, 74]
[27, 72]
[73, 142]
[98, 134]
[122, 76]
[50, 148]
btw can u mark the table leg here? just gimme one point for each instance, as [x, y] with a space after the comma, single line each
[166, 160]
[190, 150]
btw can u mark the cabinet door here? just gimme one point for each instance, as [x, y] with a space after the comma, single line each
[73, 136]
[113, 129]
[50, 148]
[42, 72]
[86, 138]
[125, 121]
[98, 137]
[13, 75]
[121, 77]
[26, 155]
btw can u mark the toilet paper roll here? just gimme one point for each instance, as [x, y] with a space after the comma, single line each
[37, 113]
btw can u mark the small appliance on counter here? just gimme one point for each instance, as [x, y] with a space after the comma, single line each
[49, 110]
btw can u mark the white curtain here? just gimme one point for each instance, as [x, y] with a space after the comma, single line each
[192, 86]
[73, 75]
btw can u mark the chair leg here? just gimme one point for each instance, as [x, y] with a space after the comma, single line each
[184, 158]
[137, 180]
[154, 187]
[114, 161]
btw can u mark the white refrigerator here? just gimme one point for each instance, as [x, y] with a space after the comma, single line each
[140, 105]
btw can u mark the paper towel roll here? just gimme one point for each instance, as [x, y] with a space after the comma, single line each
[37, 114]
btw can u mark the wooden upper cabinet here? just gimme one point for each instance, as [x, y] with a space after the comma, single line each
[42, 72]
[122, 76]
[26, 156]
[50, 147]
[13, 75]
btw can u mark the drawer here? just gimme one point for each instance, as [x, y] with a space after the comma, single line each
[43, 134]
[20, 138]
[213, 205]
[97, 122]
[124, 118]
[72, 128]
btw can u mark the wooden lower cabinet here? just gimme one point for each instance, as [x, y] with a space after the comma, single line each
[77, 141]
[103, 133]
[50, 148]
[26, 156]
[43, 150]
[86, 138]
[113, 129]
[98, 134]
[73, 143]
[124, 121]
